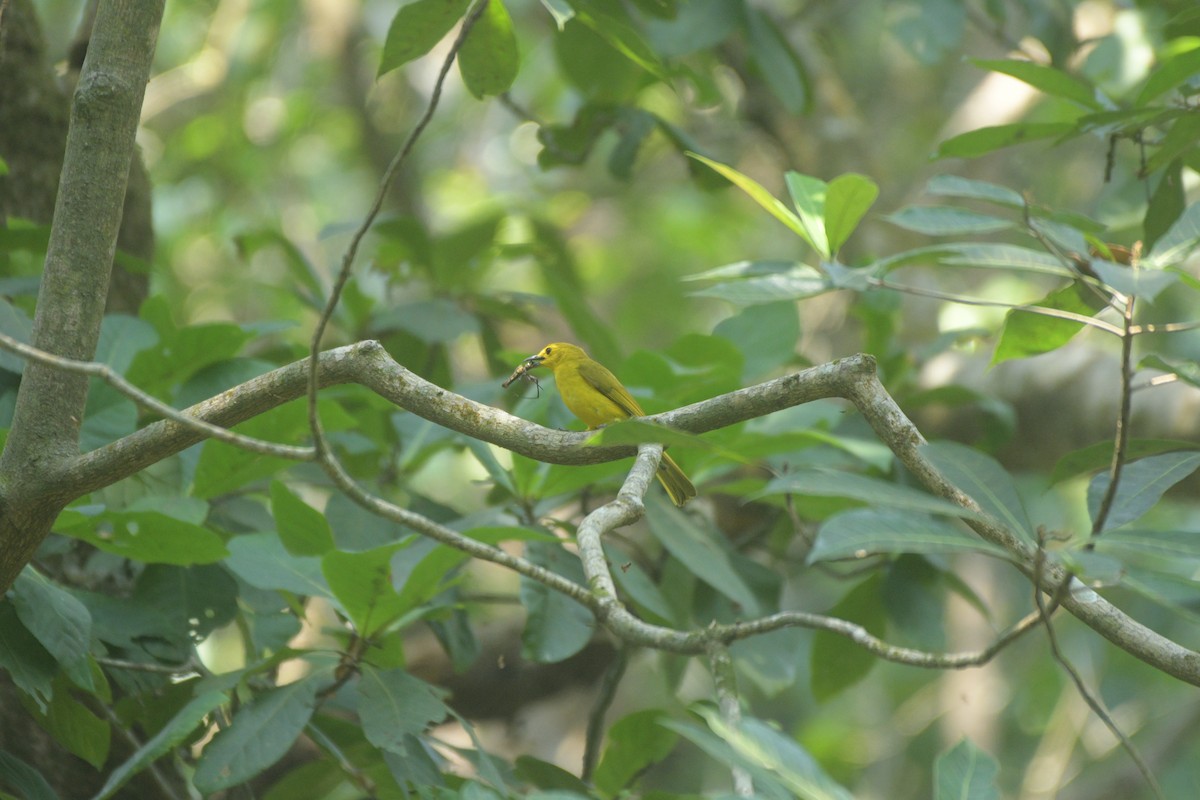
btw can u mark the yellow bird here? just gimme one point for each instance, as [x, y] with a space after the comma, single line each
[594, 394]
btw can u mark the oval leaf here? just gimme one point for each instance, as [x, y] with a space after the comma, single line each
[260, 734]
[1142, 485]
[862, 532]
[488, 59]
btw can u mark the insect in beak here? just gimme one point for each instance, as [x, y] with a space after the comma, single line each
[522, 371]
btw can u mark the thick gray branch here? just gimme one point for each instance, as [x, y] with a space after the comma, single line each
[87, 216]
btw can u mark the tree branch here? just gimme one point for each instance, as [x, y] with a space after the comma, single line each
[852, 378]
[87, 216]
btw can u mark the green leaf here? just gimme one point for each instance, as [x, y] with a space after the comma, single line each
[766, 748]
[59, 621]
[847, 200]
[771, 661]
[560, 275]
[182, 352]
[556, 627]
[299, 267]
[18, 775]
[982, 477]
[929, 29]
[640, 587]
[1146, 284]
[809, 197]
[174, 732]
[611, 21]
[500, 475]
[362, 583]
[1050, 80]
[1173, 71]
[947, 221]
[557, 783]
[1166, 205]
[1142, 485]
[1188, 372]
[804, 281]
[634, 126]
[1178, 241]
[15, 323]
[394, 706]
[594, 67]
[876, 492]
[261, 561]
[760, 195]
[1028, 333]
[121, 339]
[30, 665]
[1099, 456]
[633, 743]
[766, 336]
[981, 256]
[303, 530]
[434, 321]
[697, 25]
[223, 468]
[261, 733]
[148, 536]
[863, 532]
[76, 727]
[965, 773]
[837, 662]
[488, 59]
[955, 186]
[986, 140]
[1180, 141]
[1179, 546]
[780, 66]
[701, 550]
[416, 28]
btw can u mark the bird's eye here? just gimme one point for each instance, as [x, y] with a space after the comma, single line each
[549, 350]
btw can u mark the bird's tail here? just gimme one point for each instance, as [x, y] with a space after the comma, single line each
[678, 487]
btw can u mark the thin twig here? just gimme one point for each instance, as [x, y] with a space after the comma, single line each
[1058, 313]
[125, 733]
[1094, 702]
[114, 379]
[385, 183]
[188, 667]
[356, 775]
[604, 701]
[1120, 446]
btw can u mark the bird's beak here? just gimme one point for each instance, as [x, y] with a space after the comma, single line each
[533, 361]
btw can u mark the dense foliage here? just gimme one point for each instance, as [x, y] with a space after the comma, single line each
[598, 171]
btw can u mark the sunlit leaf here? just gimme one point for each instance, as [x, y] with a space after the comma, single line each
[488, 59]
[760, 195]
[809, 196]
[1028, 333]
[846, 202]
[416, 28]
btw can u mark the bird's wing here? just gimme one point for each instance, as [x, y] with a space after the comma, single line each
[603, 381]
